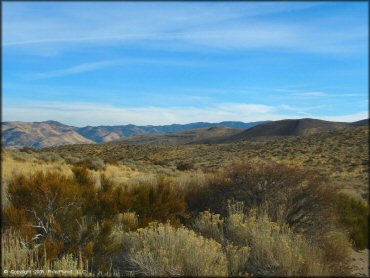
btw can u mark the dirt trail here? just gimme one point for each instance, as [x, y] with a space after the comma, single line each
[360, 263]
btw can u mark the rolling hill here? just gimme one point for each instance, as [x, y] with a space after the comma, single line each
[193, 136]
[40, 134]
[51, 133]
[267, 130]
[297, 127]
[364, 122]
[104, 134]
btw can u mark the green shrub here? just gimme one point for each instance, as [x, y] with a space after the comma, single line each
[256, 245]
[83, 177]
[127, 221]
[161, 201]
[28, 150]
[274, 248]
[299, 198]
[21, 156]
[354, 215]
[183, 166]
[92, 163]
[162, 250]
[210, 225]
[50, 157]
[61, 214]
[70, 159]
[40, 203]
[337, 252]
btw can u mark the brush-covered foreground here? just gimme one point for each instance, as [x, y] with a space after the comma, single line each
[342, 155]
[210, 210]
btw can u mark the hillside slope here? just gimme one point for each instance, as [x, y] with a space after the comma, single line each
[364, 122]
[182, 137]
[52, 133]
[40, 134]
[105, 134]
[341, 154]
[297, 127]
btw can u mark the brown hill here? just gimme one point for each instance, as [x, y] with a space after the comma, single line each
[194, 136]
[361, 123]
[49, 133]
[297, 127]
[40, 134]
[105, 134]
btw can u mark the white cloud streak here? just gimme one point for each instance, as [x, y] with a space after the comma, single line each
[310, 94]
[72, 70]
[93, 66]
[82, 114]
[348, 118]
[319, 94]
[200, 26]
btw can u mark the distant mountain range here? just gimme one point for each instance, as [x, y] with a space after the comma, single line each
[52, 133]
[220, 135]
[104, 134]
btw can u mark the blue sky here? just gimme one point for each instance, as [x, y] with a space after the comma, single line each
[161, 63]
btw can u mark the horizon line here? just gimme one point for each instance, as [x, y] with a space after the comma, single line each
[198, 122]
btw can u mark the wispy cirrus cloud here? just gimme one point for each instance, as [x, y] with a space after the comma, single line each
[320, 94]
[301, 110]
[184, 26]
[93, 66]
[72, 70]
[310, 94]
[230, 58]
[82, 114]
[347, 118]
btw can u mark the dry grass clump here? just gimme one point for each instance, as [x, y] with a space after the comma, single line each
[185, 179]
[127, 221]
[16, 163]
[161, 249]
[15, 253]
[337, 252]
[18, 255]
[92, 163]
[50, 157]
